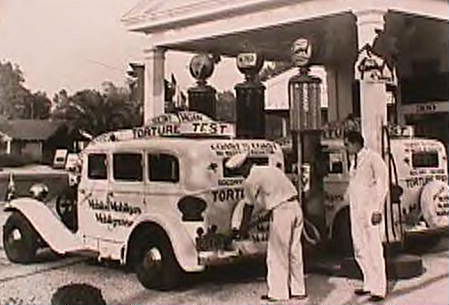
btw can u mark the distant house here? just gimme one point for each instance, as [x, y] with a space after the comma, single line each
[37, 139]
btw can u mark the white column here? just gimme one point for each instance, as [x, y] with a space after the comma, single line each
[339, 90]
[373, 95]
[154, 83]
[8, 145]
[284, 127]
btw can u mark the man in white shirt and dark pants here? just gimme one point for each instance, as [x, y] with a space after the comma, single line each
[269, 187]
[368, 187]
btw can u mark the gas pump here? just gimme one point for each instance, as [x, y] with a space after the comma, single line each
[305, 123]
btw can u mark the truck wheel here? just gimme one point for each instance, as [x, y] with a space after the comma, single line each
[20, 240]
[342, 238]
[434, 204]
[157, 267]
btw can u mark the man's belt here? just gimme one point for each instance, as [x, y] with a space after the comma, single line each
[293, 198]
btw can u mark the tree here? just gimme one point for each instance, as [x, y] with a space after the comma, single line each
[34, 106]
[61, 97]
[97, 113]
[12, 91]
[273, 70]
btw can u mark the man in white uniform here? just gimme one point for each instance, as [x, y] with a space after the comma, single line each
[368, 187]
[269, 187]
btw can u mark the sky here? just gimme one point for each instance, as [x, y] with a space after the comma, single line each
[79, 44]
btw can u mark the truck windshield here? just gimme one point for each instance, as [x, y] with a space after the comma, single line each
[425, 159]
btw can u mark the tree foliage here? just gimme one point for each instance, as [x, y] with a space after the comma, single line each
[16, 101]
[274, 69]
[12, 91]
[96, 112]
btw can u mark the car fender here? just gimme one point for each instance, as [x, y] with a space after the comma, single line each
[183, 244]
[47, 224]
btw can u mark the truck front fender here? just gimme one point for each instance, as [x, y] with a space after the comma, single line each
[182, 243]
[47, 224]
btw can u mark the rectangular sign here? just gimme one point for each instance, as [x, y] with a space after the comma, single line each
[207, 128]
[423, 108]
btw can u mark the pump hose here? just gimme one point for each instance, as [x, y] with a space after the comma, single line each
[316, 238]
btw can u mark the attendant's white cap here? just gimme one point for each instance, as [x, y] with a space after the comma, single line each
[236, 160]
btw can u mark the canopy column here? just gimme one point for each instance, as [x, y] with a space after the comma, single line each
[373, 94]
[154, 83]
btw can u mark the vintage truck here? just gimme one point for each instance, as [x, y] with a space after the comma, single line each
[418, 170]
[157, 198]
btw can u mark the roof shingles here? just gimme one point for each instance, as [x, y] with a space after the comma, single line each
[30, 130]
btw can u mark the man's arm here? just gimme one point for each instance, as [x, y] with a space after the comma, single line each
[251, 191]
[381, 175]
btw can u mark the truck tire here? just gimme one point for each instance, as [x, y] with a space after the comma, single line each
[434, 204]
[341, 237]
[20, 239]
[156, 266]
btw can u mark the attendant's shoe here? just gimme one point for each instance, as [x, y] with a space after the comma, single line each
[267, 298]
[298, 296]
[376, 298]
[360, 291]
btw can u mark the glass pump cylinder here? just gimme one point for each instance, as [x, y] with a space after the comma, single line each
[304, 94]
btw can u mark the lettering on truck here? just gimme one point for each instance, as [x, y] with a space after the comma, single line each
[119, 207]
[420, 181]
[210, 128]
[254, 148]
[227, 194]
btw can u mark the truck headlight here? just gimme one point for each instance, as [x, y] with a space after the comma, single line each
[39, 191]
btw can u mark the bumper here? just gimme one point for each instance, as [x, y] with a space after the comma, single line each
[242, 250]
[424, 231]
[213, 258]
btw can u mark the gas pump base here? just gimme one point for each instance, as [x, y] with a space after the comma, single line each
[399, 266]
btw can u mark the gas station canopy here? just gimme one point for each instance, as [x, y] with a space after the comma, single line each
[410, 35]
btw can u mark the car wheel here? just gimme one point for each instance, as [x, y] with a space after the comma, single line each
[156, 266]
[20, 239]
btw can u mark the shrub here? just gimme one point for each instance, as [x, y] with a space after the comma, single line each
[13, 160]
[77, 294]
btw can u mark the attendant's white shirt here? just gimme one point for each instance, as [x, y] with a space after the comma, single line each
[368, 183]
[267, 186]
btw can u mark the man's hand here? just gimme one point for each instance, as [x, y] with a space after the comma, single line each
[376, 218]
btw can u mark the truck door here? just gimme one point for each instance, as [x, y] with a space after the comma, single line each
[125, 193]
[92, 198]
[163, 189]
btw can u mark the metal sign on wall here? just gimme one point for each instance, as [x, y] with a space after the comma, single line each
[425, 108]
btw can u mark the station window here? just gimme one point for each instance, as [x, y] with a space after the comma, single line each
[127, 166]
[237, 172]
[96, 167]
[163, 168]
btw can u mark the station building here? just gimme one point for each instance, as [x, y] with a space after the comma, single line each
[414, 40]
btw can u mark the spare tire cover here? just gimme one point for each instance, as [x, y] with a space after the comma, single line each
[434, 204]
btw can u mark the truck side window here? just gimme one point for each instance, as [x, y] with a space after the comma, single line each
[163, 167]
[96, 167]
[127, 166]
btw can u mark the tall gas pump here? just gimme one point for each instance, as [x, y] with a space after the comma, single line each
[305, 121]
